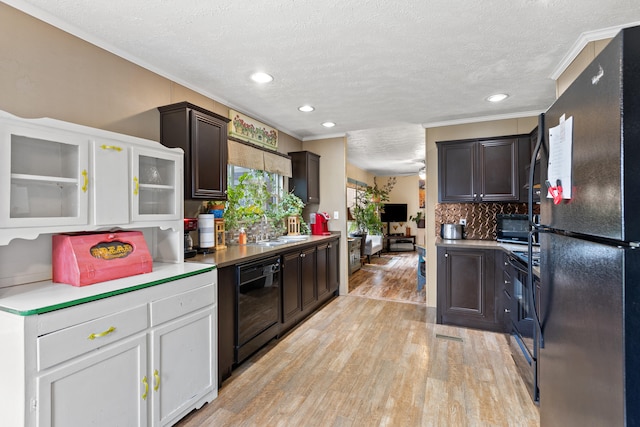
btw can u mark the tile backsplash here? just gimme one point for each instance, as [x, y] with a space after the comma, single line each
[481, 217]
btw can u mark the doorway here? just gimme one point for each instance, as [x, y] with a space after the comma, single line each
[392, 276]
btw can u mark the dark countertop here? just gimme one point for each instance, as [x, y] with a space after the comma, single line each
[487, 244]
[235, 254]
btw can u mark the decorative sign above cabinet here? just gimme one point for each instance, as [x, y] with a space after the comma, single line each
[250, 130]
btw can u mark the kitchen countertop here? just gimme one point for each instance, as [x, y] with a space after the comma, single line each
[487, 244]
[45, 296]
[235, 253]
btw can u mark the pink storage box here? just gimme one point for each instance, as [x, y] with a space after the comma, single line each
[81, 259]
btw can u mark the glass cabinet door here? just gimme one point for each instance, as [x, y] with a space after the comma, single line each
[44, 178]
[156, 189]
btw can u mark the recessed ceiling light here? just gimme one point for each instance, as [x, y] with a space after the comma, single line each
[328, 124]
[261, 77]
[497, 97]
[306, 108]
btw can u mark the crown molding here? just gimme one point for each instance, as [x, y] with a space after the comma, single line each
[584, 39]
[469, 120]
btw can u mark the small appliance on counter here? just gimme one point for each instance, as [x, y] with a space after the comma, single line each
[451, 231]
[190, 224]
[514, 228]
[320, 224]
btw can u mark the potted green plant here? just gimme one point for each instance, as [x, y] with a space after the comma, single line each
[246, 201]
[288, 205]
[369, 203]
[418, 219]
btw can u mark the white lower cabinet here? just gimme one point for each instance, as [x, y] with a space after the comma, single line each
[183, 364]
[141, 358]
[106, 388]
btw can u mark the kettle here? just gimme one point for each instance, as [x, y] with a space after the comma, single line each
[451, 231]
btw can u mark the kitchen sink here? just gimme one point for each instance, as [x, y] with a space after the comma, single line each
[282, 240]
[294, 238]
[269, 243]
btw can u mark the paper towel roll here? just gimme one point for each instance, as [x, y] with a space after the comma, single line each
[206, 229]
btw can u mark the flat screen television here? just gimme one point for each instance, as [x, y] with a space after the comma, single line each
[394, 212]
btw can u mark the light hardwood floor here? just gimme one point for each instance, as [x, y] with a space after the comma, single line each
[368, 362]
[392, 276]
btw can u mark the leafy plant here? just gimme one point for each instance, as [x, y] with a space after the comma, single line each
[288, 204]
[368, 206]
[366, 212]
[257, 197]
[246, 201]
[416, 218]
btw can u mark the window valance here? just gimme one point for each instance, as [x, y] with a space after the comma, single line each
[248, 156]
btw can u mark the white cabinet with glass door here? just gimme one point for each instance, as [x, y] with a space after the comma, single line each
[44, 176]
[156, 186]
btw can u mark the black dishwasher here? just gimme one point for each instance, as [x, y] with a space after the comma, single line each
[258, 305]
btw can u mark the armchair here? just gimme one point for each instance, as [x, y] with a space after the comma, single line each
[373, 245]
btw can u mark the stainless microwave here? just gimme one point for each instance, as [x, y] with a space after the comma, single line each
[514, 228]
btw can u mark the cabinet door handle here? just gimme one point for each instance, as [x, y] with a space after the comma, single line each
[329, 246]
[85, 181]
[136, 186]
[156, 378]
[303, 255]
[146, 388]
[446, 255]
[506, 310]
[111, 147]
[102, 334]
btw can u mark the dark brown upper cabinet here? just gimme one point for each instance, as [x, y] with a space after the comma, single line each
[305, 182]
[202, 134]
[483, 170]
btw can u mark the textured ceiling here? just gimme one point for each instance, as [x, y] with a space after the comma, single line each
[380, 70]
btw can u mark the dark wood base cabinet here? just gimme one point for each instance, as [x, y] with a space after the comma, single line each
[226, 321]
[309, 278]
[466, 289]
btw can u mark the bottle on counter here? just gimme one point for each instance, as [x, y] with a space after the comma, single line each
[242, 237]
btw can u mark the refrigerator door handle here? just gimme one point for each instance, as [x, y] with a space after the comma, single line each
[534, 227]
[532, 167]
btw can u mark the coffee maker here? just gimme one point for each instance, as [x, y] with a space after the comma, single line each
[320, 224]
[190, 224]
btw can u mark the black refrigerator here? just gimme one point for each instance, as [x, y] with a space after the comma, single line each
[589, 300]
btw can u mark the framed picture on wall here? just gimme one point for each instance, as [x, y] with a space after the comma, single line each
[421, 193]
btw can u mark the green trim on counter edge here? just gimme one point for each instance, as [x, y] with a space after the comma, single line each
[106, 294]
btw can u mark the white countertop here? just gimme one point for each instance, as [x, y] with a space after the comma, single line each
[45, 296]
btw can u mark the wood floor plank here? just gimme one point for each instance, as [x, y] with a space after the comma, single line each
[391, 276]
[368, 362]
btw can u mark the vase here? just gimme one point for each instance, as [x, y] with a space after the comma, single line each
[407, 231]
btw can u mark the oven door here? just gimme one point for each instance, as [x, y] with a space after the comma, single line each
[521, 310]
[258, 302]
[523, 332]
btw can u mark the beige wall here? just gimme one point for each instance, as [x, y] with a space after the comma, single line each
[445, 133]
[46, 72]
[584, 58]
[358, 174]
[406, 191]
[50, 73]
[333, 193]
